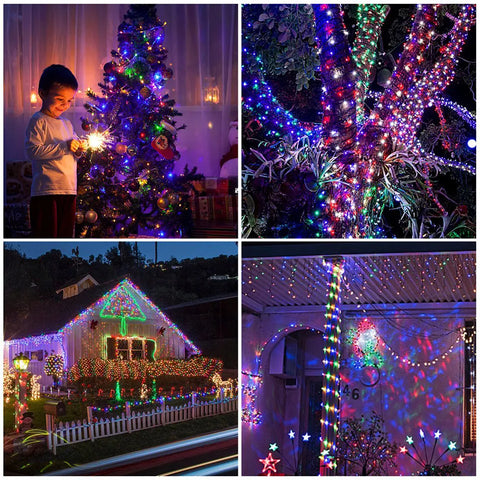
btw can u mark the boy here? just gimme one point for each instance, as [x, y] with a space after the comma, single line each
[50, 145]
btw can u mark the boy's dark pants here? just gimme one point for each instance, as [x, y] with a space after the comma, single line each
[53, 216]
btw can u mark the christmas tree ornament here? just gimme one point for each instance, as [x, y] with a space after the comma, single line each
[169, 127]
[168, 73]
[121, 148]
[109, 67]
[79, 217]
[173, 198]
[162, 203]
[145, 92]
[132, 150]
[160, 144]
[91, 216]
[86, 125]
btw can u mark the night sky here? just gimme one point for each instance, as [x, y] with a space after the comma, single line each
[165, 251]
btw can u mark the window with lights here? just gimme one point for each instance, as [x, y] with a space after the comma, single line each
[130, 348]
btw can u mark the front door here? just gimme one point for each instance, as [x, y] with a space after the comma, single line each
[310, 449]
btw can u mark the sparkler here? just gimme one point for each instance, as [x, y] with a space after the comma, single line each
[98, 141]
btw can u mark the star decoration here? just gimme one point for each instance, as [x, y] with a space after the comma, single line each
[403, 449]
[409, 440]
[460, 459]
[273, 447]
[452, 446]
[291, 434]
[306, 437]
[325, 453]
[269, 463]
[437, 434]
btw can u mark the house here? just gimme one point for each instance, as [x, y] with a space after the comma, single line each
[77, 285]
[335, 331]
[123, 323]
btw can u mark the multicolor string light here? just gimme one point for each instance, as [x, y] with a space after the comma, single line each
[362, 155]
[139, 369]
[120, 304]
[331, 362]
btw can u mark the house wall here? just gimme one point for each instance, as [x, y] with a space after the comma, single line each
[281, 408]
[408, 396]
[422, 388]
[83, 341]
[48, 344]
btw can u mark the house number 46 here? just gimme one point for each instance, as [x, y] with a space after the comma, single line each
[355, 393]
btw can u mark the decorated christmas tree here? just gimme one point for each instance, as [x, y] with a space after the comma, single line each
[126, 185]
[349, 127]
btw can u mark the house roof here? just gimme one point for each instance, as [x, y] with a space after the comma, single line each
[408, 278]
[61, 318]
[76, 280]
[48, 315]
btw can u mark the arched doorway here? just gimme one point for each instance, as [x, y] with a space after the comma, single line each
[292, 399]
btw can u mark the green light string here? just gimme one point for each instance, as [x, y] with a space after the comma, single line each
[120, 304]
[370, 20]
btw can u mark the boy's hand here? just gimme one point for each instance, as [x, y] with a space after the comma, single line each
[73, 144]
[83, 145]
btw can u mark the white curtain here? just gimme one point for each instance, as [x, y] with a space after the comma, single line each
[202, 47]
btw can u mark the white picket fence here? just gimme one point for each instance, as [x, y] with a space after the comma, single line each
[90, 429]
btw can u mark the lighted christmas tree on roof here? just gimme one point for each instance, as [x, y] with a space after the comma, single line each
[337, 131]
[127, 185]
[120, 304]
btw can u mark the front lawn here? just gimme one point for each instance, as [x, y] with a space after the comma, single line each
[76, 410]
[88, 451]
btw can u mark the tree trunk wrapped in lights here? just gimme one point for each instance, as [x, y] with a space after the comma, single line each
[362, 154]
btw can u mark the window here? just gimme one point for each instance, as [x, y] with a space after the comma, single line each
[137, 349]
[122, 350]
[470, 406]
[130, 348]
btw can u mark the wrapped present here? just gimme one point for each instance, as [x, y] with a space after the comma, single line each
[211, 184]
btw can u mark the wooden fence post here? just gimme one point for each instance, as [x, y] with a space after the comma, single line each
[194, 405]
[128, 414]
[49, 428]
[162, 410]
[222, 400]
[90, 423]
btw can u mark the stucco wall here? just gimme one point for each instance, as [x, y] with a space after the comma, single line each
[411, 392]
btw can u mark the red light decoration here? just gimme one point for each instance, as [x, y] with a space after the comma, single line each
[269, 464]
[138, 369]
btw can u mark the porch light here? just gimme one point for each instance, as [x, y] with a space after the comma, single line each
[20, 362]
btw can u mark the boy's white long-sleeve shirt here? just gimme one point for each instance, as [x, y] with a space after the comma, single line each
[54, 167]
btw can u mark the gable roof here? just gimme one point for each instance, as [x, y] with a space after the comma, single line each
[61, 326]
[76, 280]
